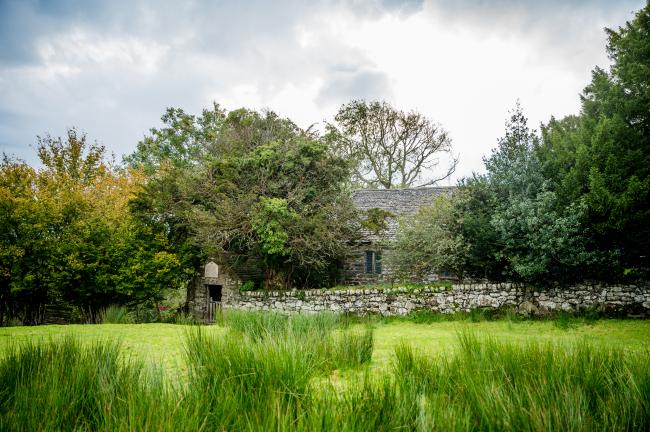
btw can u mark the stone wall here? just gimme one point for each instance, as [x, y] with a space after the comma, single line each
[458, 298]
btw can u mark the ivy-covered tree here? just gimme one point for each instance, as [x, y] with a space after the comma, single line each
[280, 202]
[258, 190]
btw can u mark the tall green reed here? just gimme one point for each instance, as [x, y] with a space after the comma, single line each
[261, 374]
[115, 315]
[270, 373]
[60, 386]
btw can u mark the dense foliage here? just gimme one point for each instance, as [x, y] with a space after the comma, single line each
[68, 236]
[264, 196]
[569, 204]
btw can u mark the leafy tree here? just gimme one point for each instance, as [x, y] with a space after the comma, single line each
[18, 240]
[514, 222]
[475, 203]
[175, 160]
[271, 195]
[388, 147]
[256, 191]
[428, 243]
[68, 237]
[602, 157]
[180, 143]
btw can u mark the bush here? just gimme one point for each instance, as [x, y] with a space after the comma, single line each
[247, 286]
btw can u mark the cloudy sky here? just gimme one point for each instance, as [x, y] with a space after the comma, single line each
[110, 68]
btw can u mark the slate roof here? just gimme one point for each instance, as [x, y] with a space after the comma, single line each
[399, 202]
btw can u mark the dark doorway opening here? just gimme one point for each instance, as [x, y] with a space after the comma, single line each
[215, 292]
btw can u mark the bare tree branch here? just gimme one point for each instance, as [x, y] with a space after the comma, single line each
[388, 147]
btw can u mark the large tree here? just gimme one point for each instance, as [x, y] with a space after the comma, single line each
[258, 193]
[602, 157]
[390, 148]
[515, 226]
[68, 237]
[276, 199]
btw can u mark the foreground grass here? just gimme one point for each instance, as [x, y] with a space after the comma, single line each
[161, 345]
[270, 372]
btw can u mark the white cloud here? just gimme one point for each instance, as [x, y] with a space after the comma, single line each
[113, 70]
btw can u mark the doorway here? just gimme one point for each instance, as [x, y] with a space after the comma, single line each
[214, 293]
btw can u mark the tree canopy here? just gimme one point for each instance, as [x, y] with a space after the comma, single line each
[261, 193]
[388, 147]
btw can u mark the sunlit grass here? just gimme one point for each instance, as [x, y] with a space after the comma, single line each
[272, 372]
[162, 344]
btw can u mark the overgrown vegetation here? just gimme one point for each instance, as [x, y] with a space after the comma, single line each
[274, 372]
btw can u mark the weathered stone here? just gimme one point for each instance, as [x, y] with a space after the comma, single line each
[399, 300]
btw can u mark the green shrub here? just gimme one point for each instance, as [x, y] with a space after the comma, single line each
[247, 286]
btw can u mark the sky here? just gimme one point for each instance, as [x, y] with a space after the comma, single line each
[111, 68]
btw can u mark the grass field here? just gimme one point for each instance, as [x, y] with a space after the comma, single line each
[162, 344]
[266, 371]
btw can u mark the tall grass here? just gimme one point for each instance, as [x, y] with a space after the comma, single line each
[270, 372]
[62, 386]
[494, 386]
[261, 375]
[115, 315]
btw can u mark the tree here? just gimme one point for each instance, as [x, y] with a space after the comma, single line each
[179, 143]
[428, 242]
[256, 192]
[515, 226]
[282, 206]
[388, 147]
[475, 203]
[513, 167]
[17, 217]
[602, 158]
[67, 235]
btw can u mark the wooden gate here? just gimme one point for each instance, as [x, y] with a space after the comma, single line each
[213, 309]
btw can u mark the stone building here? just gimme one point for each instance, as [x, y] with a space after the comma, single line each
[219, 283]
[383, 208]
[210, 289]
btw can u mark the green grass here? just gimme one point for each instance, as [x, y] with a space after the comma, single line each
[260, 371]
[115, 315]
[159, 345]
[162, 344]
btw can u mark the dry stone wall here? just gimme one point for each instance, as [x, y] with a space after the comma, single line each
[459, 298]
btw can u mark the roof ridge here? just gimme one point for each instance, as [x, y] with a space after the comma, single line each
[419, 188]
